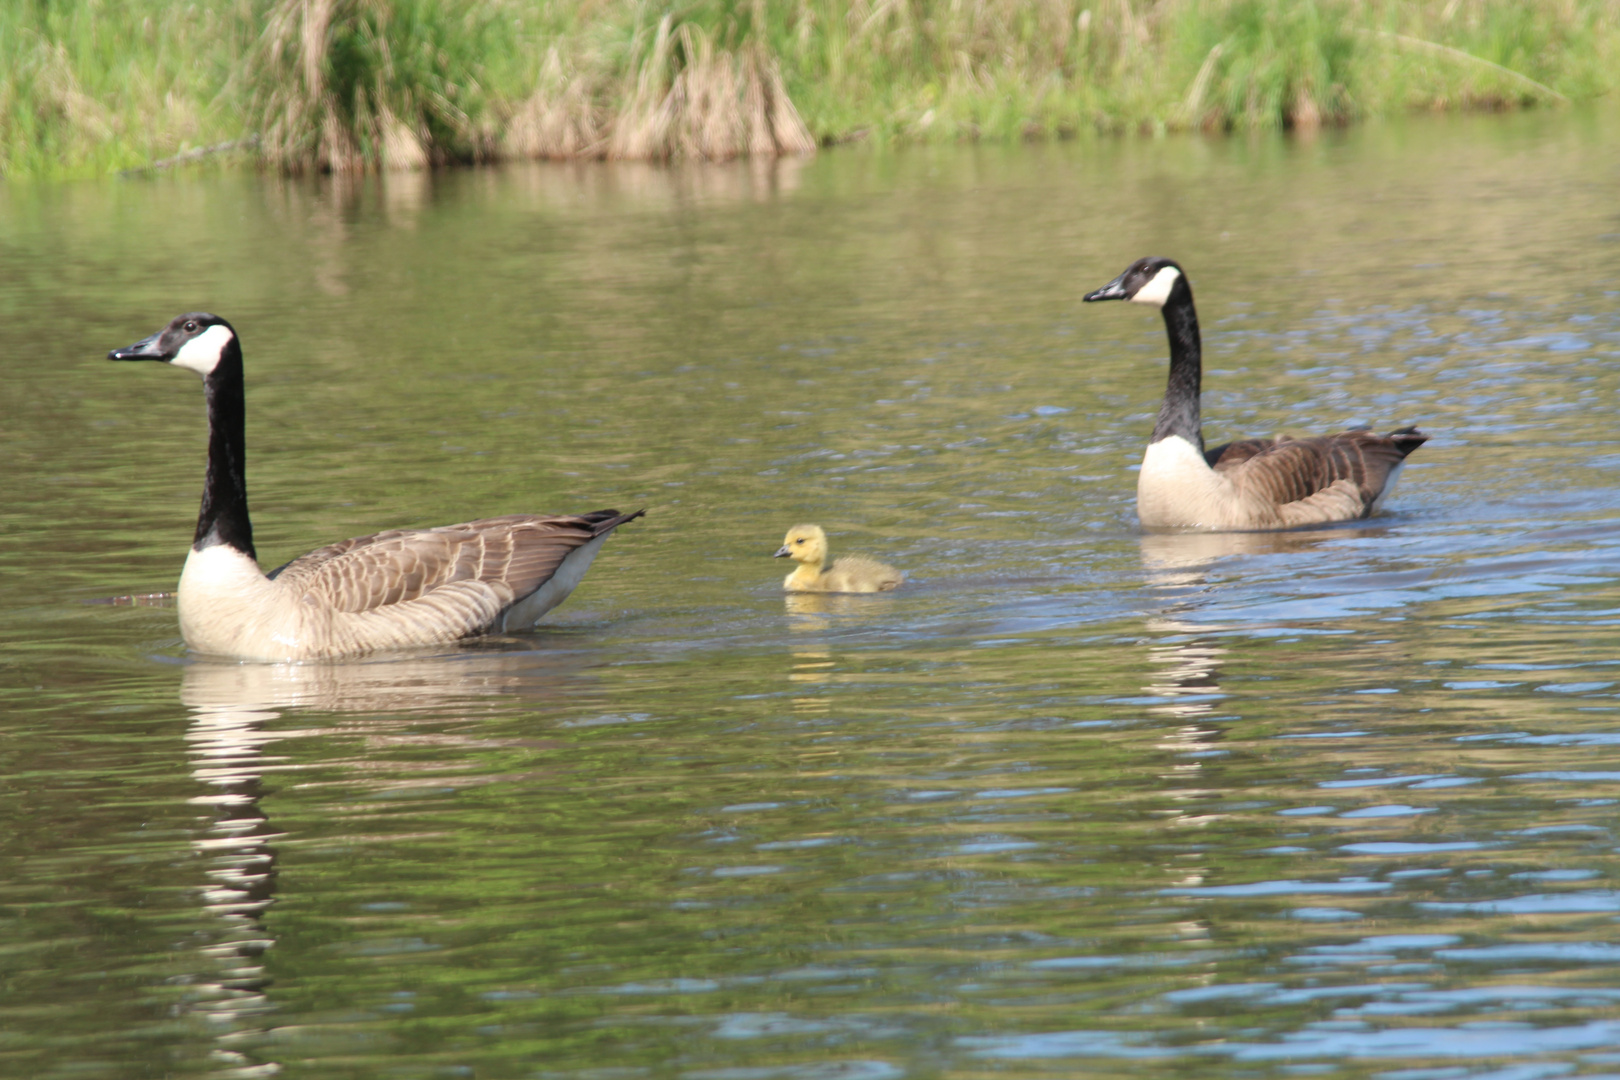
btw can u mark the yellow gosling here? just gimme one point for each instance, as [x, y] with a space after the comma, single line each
[807, 546]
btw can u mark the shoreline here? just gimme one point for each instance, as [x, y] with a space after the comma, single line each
[400, 84]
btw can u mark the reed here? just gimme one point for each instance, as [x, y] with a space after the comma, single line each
[342, 85]
[88, 85]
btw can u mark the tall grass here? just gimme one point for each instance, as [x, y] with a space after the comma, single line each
[1001, 68]
[90, 85]
[340, 84]
[350, 84]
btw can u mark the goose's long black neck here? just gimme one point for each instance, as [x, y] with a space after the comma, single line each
[223, 518]
[1178, 414]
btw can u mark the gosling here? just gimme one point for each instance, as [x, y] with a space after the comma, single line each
[807, 546]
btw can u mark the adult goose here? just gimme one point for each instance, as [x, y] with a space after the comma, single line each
[1258, 483]
[394, 589]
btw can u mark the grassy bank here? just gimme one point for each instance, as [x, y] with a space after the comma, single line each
[89, 86]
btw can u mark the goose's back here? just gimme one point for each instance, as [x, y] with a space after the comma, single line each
[511, 555]
[400, 588]
[1286, 482]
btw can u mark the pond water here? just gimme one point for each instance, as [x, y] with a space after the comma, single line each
[1074, 801]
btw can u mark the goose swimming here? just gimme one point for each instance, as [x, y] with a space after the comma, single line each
[807, 546]
[393, 589]
[1257, 483]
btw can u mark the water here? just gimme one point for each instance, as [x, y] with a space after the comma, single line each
[1076, 801]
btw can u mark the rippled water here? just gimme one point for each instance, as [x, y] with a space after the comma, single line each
[1075, 801]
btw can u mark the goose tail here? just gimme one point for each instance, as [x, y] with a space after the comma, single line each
[605, 521]
[1407, 439]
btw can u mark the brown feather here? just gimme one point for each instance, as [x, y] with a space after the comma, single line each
[511, 556]
[1286, 470]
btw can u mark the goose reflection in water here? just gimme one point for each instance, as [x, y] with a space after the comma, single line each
[1186, 655]
[813, 664]
[1186, 681]
[1175, 565]
[231, 705]
[1182, 558]
[226, 742]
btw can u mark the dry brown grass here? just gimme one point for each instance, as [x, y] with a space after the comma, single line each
[686, 99]
[559, 120]
[341, 88]
[337, 97]
[300, 126]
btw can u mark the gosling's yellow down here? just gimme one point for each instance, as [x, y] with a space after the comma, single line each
[807, 546]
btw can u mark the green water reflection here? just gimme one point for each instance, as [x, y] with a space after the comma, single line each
[1075, 801]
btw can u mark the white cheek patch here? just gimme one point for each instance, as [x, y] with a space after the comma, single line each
[1157, 291]
[201, 354]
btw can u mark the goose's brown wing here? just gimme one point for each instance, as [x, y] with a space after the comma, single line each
[1230, 455]
[513, 555]
[1283, 471]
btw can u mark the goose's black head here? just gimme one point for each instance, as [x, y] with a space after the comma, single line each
[196, 340]
[1148, 280]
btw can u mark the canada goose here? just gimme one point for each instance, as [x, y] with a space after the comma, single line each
[391, 590]
[807, 546]
[1258, 483]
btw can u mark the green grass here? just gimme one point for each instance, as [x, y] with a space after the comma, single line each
[89, 86]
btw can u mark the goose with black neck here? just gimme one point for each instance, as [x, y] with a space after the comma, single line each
[1279, 483]
[391, 590]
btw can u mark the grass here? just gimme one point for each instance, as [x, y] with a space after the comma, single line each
[89, 86]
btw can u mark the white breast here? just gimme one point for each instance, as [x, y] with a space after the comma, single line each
[229, 608]
[1176, 487]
